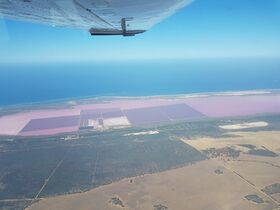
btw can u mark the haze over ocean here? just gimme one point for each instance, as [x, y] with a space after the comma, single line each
[43, 82]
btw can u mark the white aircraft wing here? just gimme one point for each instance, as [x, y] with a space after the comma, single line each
[101, 17]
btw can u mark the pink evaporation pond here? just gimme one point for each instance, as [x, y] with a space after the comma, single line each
[231, 106]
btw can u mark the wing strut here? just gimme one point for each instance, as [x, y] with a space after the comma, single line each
[123, 31]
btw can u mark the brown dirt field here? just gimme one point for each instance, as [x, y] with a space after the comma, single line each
[195, 187]
[269, 139]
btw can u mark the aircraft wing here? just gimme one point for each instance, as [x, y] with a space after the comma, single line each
[101, 17]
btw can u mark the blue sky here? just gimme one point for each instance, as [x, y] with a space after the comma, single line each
[205, 29]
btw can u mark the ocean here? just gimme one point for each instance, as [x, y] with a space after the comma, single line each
[40, 82]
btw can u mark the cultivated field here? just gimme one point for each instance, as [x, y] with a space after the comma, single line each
[242, 172]
[193, 164]
[193, 187]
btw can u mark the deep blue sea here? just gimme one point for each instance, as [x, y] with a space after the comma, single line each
[26, 83]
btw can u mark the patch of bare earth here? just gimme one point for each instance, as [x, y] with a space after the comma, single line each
[225, 181]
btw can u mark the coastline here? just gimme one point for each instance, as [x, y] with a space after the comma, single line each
[211, 105]
[69, 102]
